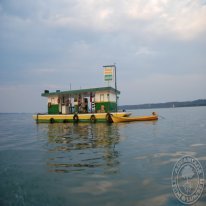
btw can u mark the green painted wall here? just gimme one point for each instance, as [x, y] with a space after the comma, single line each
[108, 106]
[53, 109]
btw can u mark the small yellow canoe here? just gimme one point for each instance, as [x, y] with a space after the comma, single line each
[152, 117]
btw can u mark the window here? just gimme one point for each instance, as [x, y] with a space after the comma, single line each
[101, 97]
[53, 100]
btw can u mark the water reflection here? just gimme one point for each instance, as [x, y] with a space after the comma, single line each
[77, 147]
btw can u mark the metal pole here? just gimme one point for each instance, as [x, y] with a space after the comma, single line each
[115, 84]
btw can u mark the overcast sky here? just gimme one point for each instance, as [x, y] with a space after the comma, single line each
[159, 47]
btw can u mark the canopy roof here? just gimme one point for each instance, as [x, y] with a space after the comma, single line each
[85, 92]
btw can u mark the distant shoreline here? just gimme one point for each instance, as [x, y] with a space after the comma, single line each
[195, 103]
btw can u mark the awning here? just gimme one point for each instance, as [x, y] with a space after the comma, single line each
[85, 92]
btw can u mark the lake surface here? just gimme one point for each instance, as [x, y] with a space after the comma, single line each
[98, 164]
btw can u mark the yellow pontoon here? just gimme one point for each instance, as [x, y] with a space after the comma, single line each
[89, 117]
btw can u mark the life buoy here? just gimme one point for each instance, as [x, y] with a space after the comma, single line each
[65, 121]
[93, 119]
[75, 118]
[52, 120]
[108, 118]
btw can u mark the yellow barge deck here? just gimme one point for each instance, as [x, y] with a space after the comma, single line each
[88, 117]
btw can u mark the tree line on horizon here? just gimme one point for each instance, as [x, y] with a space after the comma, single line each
[199, 102]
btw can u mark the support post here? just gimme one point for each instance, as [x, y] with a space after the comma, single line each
[115, 84]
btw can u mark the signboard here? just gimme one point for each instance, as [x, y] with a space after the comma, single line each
[108, 73]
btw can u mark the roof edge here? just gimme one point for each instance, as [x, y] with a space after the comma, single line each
[46, 94]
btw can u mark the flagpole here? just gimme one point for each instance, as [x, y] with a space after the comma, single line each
[115, 84]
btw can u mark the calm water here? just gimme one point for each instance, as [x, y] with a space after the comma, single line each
[98, 164]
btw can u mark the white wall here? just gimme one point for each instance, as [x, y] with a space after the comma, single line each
[53, 99]
[111, 98]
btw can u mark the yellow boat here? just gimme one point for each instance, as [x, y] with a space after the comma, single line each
[116, 119]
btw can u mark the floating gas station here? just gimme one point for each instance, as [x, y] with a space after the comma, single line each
[83, 105]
